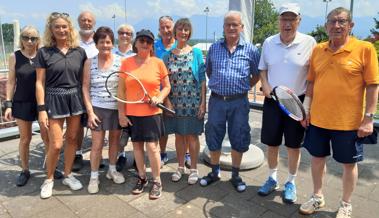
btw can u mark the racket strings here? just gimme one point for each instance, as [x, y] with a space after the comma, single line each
[135, 92]
[290, 103]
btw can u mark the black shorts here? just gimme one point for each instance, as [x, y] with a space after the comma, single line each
[25, 110]
[146, 129]
[276, 123]
[61, 102]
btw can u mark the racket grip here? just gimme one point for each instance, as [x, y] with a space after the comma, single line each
[161, 106]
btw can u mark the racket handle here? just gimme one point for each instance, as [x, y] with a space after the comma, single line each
[161, 106]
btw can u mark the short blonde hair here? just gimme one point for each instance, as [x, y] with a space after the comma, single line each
[28, 29]
[129, 27]
[48, 37]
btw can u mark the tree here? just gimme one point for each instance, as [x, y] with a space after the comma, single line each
[375, 31]
[7, 32]
[319, 34]
[266, 20]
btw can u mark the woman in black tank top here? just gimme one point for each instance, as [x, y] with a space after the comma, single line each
[20, 97]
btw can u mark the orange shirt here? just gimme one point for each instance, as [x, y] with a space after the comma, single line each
[150, 74]
[339, 80]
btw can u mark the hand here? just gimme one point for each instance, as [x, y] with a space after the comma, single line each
[306, 121]
[201, 111]
[155, 100]
[124, 121]
[366, 127]
[43, 119]
[93, 121]
[8, 114]
[266, 89]
[169, 105]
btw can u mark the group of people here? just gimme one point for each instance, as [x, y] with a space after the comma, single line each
[337, 81]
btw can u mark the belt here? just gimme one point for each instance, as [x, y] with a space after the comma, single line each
[228, 97]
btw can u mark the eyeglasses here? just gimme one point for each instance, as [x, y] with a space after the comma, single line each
[33, 39]
[230, 25]
[125, 33]
[143, 40]
[341, 22]
[57, 14]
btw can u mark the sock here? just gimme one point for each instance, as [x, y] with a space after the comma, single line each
[78, 152]
[273, 173]
[291, 178]
[215, 169]
[112, 168]
[235, 172]
[94, 174]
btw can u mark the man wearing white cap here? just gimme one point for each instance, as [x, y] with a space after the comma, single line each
[284, 61]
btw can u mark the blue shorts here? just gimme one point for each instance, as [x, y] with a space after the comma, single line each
[345, 147]
[234, 112]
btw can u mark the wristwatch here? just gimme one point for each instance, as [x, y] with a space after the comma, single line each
[369, 115]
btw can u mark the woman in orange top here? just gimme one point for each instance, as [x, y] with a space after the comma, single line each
[144, 120]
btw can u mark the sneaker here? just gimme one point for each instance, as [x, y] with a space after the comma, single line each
[140, 186]
[93, 185]
[72, 182]
[289, 193]
[23, 178]
[117, 177]
[269, 186]
[345, 210]
[47, 189]
[164, 159]
[78, 163]
[120, 164]
[58, 174]
[193, 176]
[187, 160]
[175, 177]
[156, 191]
[312, 205]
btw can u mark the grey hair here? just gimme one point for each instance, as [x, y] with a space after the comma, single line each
[127, 26]
[340, 10]
[233, 13]
[87, 12]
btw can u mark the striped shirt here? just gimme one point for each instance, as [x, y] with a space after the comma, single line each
[99, 95]
[230, 72]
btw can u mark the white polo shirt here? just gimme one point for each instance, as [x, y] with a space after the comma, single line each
[287, 65]
[90, 48]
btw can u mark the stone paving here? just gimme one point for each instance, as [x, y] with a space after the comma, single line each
[180, 199]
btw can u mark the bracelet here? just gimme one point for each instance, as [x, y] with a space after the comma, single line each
[7, 104]
[41, 107]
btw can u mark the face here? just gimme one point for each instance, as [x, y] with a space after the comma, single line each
[166, 27]
[125, 36]
[60, 29]
[182, 33]
[338, 26]
[86, 21]
[288, 24]
[104, 45]
[144, 45]
[232, 27]
[29, 39]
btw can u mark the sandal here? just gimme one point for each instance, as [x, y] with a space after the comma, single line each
[238, 184]
[175, 177]
[209, 179]
[193, 176]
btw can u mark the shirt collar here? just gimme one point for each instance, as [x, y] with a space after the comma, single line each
[241, 42]
[348, 47]
[296, 41]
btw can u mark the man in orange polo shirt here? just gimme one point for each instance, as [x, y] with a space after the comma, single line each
[341, 99]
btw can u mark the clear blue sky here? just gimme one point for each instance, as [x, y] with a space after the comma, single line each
[145, 13]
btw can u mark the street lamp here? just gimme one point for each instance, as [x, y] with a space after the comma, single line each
[326, 8]
[114, 22]
[206, 11]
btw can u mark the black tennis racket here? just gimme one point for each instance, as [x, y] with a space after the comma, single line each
[288, 102]
[139, 94]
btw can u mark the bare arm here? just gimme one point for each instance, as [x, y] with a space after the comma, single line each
[40, 95]
[203, 102]
[123, 120]
[307, 104]
[166, 87]
[266, 88]
[367, 125]
[93, 120]
[11, 84]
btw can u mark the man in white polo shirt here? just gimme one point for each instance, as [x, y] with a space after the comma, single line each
[284, 61]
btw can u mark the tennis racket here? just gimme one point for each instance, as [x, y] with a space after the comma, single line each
[139, 94]
[288, 102]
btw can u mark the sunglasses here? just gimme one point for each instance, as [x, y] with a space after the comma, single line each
[33, 39]
[143, 40]
[57, 14]
[125, 33]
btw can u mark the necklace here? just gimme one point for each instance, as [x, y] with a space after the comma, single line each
[30, 57]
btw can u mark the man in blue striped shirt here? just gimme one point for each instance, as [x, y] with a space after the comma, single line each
[232, 69]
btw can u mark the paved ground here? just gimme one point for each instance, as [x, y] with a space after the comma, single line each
[180, 199]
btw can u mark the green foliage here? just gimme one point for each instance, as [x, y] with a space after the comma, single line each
[7, 32]
[266, 20]
[319, 34]
[375, 30]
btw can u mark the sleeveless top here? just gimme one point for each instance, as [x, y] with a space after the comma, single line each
[25, 78]
[99, 95]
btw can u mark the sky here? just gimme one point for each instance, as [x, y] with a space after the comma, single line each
[144, 14]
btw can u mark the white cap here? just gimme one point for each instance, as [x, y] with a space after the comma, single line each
[289, 7]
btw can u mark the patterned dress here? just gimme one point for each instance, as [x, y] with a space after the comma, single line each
[185, 96]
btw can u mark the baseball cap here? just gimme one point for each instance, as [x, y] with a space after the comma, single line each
[146, 33]
[289, 7]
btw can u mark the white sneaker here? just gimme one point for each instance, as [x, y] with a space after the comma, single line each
[345, 210]
[175, 177]
[47, 188]
[72, 182]
[117, 177]
[312, 205]
[93, 185]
